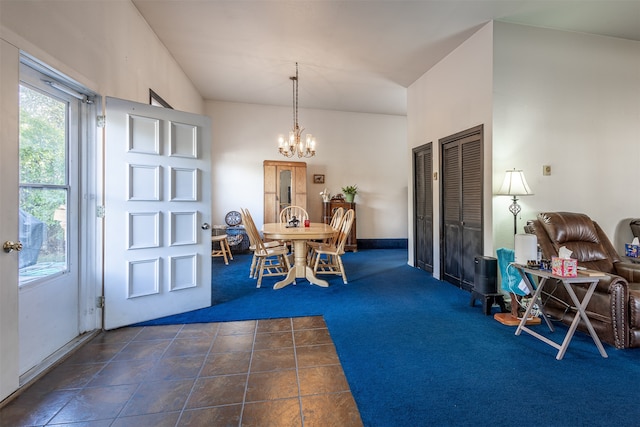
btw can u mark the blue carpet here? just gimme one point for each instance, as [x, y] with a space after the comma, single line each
[416, 354]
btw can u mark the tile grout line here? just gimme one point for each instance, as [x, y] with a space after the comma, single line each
[86, 386]
[155, 362]
[295, 358]
[246, 382]
[195, 380]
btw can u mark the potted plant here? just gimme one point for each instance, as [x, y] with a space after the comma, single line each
[350, 192]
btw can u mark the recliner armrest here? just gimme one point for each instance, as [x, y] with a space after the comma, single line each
[612, 283]
[628, 270]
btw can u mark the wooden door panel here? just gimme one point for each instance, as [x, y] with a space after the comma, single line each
[423, 202]
[451, 255]
[462, 209]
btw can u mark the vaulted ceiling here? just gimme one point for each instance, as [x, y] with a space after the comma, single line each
[357, 55]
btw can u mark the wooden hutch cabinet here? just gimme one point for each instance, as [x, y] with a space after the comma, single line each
[285, 184]
[327, 213]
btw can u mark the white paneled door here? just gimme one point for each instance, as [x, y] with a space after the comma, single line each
[157, 212]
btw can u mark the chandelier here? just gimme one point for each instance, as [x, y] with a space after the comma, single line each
[304, 147]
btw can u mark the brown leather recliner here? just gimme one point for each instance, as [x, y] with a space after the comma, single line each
[614, 309]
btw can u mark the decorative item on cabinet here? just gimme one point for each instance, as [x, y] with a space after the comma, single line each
[350, 192]
[327, 213]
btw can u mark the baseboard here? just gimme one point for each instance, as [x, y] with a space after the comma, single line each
[383, 243]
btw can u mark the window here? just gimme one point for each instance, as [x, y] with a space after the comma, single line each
[48, 189]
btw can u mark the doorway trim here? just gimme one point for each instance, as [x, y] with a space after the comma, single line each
[89, 266]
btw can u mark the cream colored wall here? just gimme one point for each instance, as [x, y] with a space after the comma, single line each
[453, 96]
[369, 150]
[571, 101]
[105, 45]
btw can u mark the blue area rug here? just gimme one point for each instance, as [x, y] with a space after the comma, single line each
[417, 354]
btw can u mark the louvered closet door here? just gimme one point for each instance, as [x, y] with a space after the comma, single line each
[461, 206]
[423, 202]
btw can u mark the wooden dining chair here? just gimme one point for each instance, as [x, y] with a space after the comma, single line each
[328, 256]
[287, 214]
[253, 273]
[336, 219]
[290, 211]
[268, 259]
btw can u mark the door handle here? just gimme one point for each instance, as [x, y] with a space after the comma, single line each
[205, 226]
[10, 246]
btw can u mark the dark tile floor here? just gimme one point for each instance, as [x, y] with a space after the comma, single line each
[278, 372]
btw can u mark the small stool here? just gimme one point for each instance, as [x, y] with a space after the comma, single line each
[488, 300]
[224, 251]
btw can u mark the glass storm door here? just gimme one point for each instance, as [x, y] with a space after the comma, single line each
[48, 217]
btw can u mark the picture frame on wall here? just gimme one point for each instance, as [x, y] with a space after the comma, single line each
[318, 179]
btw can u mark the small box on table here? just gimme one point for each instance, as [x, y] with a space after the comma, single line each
[631, 250]
[565, 267]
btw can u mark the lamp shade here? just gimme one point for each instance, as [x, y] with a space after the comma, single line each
[515, 184]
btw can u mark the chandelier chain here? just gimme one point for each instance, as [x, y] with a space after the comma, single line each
[294, 145]
[295, 98]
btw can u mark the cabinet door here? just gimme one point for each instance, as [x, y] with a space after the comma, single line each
[299, 180]
[270, 196]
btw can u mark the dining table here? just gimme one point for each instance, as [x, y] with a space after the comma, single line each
[299, 236]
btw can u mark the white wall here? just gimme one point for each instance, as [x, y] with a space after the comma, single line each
[454, 95]
[105, 45]
[353, 148]
[571, 101]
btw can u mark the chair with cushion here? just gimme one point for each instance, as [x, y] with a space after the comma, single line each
[267, 260]
[614, 309]
[333, 251]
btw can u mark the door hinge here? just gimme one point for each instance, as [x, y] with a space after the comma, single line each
[100, 211]
[101, 121]
[100, 302]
